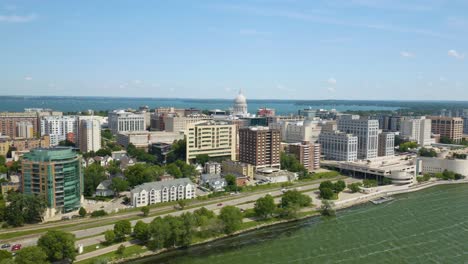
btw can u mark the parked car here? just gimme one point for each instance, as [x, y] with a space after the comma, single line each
[16, 247]
[6, 245]
[220, 204]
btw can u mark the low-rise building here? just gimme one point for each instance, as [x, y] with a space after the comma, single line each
[272, 175]
[162, 191]
[399, 169]
[7, 187]
[238, 169]
[142, 139]
[213, 181]
[105, 189]
[440, 164]
[212, 167]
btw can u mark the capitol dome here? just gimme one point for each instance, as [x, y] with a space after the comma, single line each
[240, 105]
[240, 99]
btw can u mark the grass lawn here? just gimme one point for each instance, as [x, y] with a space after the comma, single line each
[128, 252]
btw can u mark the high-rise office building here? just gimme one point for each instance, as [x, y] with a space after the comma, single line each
[9, 123]
[121, 121]
[260, 146]
[56, 174]
[417, 129]
[448, 127]
[338, 145]
[58, 127]
[367, 131]
[386, 144]
[89, 136]
[215, 139]
[308, 154]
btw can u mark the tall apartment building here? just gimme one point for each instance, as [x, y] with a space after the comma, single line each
[338, 145]
[89, 135]
[386, 144]
[308, 154]
[260, 146]
[9, 123]
[25, 129]
[450, 127]
[180, 123]
[367, 131]
[56, 174]
[121, 121]
[57, 127]
[417, 129]
[215, 139]
[465, 125]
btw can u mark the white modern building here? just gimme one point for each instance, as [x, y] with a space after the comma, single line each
[399, 169]
[57, 127]
[298, 131]
[89, 136]
[162, 191]
[122, 121]
[418, 130]
[366, 130]
[440, 164]
[338, 145]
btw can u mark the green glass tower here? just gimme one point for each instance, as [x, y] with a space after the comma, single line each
[56, 174]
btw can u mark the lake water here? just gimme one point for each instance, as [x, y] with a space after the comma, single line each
[73, 104]
[430, 226]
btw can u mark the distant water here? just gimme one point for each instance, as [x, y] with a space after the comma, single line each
[430, 226]
[74, 104]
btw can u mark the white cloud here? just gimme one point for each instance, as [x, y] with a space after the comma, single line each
[331, 89]
[456, 54]
[17, 18]
[331, 81]
[407, 54]
[28, 78]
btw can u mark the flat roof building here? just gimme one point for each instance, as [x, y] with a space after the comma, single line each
[260, 146]
[449, 127]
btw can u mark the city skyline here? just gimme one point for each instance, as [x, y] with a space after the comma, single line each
[271, 49]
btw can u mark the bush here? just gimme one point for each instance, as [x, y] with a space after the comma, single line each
[369, 183]
[82, 212]
[326, 193]
[98, 213]
[355, 187]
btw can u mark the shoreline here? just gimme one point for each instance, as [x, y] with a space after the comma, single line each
[339, 205]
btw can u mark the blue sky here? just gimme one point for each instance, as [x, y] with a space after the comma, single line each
[282, 49]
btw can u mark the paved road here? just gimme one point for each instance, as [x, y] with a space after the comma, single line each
[241, 202]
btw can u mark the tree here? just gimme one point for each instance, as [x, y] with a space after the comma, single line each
[290, 163]
[355, 187]
[231, 218]
[160, 231]
[327, 209]
[109, 236]
[231, 183]
[82, 212]
[182, 204]
[31, 255]
[113, 167]
[24, 208]
[173, 170]
[58, 245]
[5, 255]
[120, 250]
[145, 210]
[119, 184]
[295, 197]
[66, 143]
[339, 186]
[445, 140]
[94, 174]
[369, 183]
[121, 229]
[265, 206]
[202, 159]
[104, 152]
[106, 133]
[2, 160]
[424, 152]
[189, 223]
[2, 208]
[326, 193]
[202, 216]
[178, 151]
[141, 231]
[406, 146]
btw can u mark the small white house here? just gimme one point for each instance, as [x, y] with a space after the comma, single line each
[105, 189]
